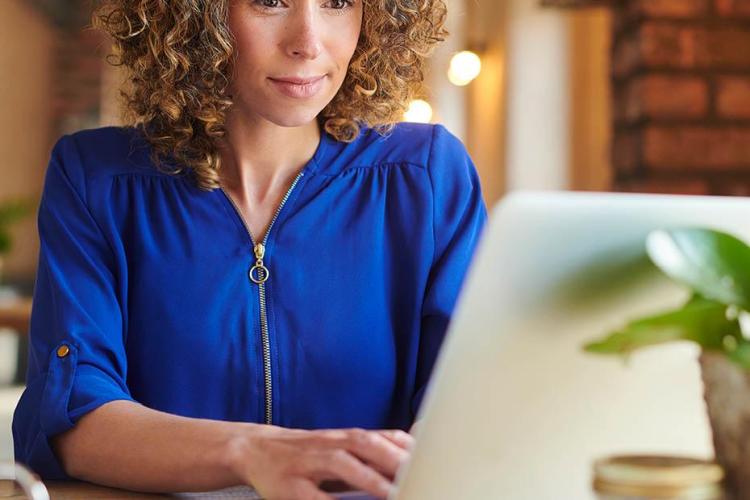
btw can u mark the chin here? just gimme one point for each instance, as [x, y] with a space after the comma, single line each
[290, 118]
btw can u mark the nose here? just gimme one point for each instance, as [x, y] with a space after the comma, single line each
[304, 36]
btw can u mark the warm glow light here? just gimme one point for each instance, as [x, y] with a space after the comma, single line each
[419, 111]
[465, 67]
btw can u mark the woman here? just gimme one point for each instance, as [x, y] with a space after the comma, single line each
[252, 283]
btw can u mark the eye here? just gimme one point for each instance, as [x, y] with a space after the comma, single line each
[340, 4]
[269, 4]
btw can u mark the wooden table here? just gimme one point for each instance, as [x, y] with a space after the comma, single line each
[75, 490]
[16, 315]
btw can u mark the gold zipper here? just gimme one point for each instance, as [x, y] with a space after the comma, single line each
[259, 274]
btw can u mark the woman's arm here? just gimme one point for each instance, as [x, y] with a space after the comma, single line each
[127, 445]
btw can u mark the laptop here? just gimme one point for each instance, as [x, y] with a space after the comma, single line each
[516, 410]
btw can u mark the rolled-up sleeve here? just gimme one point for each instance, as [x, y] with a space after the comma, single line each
[77, 356]
[459, 216]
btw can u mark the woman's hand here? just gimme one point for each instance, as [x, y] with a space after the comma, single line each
[291, 464]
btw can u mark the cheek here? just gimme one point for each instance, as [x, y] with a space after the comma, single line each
[249, 57]
[344, 45]
[251, 41]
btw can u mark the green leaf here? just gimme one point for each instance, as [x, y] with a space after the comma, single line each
[715, 264]
[13, 211]
[4, 242]
[701, 321]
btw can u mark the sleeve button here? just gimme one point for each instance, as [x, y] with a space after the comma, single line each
[63, 351]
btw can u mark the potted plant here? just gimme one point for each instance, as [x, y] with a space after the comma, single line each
[716, 268]
[10, 212]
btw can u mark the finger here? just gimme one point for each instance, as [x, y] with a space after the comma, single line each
[340, 464]
[304, 489]
[373, 448]
[400, 438]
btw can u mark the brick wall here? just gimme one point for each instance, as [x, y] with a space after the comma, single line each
[681, 73]
[79, 68]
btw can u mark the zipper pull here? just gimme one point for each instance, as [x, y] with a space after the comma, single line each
[259, 273]
[260, 251]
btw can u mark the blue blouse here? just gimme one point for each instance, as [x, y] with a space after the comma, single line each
[152, 290]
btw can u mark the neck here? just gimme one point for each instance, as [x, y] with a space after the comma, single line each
[260, 158]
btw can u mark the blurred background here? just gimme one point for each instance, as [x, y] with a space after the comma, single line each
[606, 95]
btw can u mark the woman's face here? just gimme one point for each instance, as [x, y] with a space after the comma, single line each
[291, 55]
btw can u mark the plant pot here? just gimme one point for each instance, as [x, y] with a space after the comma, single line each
[727, 395]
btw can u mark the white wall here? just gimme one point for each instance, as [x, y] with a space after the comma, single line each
[538, 96]
[487, 138]
[449, 102]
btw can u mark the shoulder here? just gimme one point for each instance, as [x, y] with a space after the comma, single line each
[407, 143]
[103, 153]
[433, 147]
[454, 179]
[88, 161]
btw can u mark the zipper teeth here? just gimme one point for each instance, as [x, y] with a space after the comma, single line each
[265, 336]
[266, 341]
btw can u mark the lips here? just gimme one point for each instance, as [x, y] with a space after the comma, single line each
[298, 80]
[298, 87]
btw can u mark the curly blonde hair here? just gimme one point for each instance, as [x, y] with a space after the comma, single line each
[178, 55]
